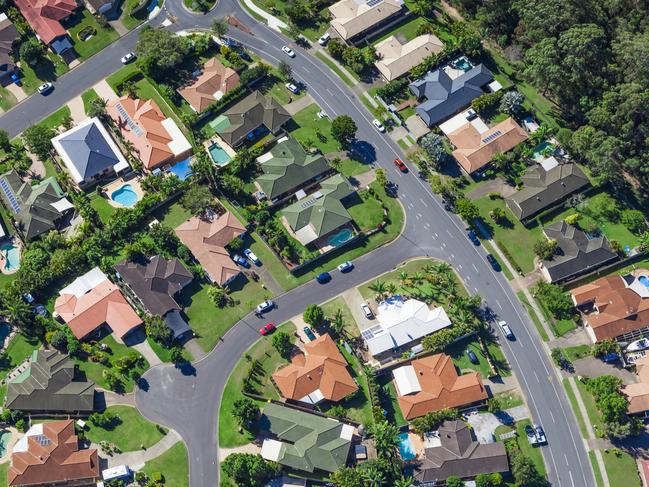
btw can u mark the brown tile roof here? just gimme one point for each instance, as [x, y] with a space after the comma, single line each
[619, 308]
[638, 392]
[8, 35]
[44, 16]
[216, 78]
[52, 456]
[441, 387]
[472, 152]
[206, 238]
[321, 367]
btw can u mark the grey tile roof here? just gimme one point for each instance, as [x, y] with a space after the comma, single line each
[446, 96]
[8, 34]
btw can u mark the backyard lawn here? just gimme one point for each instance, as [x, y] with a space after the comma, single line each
[171, 215]
[19, 349]
[330, 308]
[122, 434]
[102, 206]
[389, 403]
[172, 464]
[83, 22]
[307, 124]
[406, 30]
[269, 361]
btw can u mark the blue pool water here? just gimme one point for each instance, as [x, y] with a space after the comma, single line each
[406, 450]
[182, 169]
[5, 329]
[644, 280]
[12, 256]
[125, 196]
[541, 147]
[219, 156]
[463, 64]
[340, 237]
[5, 437]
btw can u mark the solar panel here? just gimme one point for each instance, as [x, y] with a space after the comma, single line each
[15, 206]
[372, 3]
[307, 203]
[129, 121]
[491, 137]
[43, 440]
[367, 334]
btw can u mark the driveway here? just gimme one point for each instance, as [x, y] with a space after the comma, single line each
[484, 424]
[354, 300]
[594, 367]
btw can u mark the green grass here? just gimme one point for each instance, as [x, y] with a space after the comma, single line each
[402, 144]
[88, 98]
[559, 327]
[594, 417]
[532, 313]
[458, 350]
[122, 435]
[274, 86]
[390, 403]
[366, 211]
[407, 29]
[307, 123]
[621, 469]
[489, 246]
[19, 349]
[172, 215]
[172, 464]
[577, 352]
[271, 263]
[575, 407]
[263, 351]
[121, 75]
[352, 167]
[330, 308]
[94, 371]
[127, 19]
[102, 38]
[334, 67]
[210, 323]
[146, 91]
[509, 399]
[102, 206]
[7, 98]
[596, 472]
[164, 354]
[55, 120]
[4, 468]
[528, 450]
[49, 69]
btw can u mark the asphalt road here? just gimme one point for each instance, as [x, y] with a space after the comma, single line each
[188, 400]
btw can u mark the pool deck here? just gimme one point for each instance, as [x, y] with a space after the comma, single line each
[15, 436]
[215, 139]
[118, 183]
[3, 262]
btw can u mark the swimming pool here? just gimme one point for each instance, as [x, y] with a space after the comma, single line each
[340, 237]
[542, 147]
[125, 196]
[5, 438]
[182, 169]
[406, 449]
[5, 329]
[11, 254]
[218, 154]
[463, 64]
[644, 280]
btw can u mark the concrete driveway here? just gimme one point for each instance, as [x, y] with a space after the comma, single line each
[484, 424]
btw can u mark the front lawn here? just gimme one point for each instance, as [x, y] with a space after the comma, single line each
[172, 464]
[527, 450]
[268, 361]
[366, 210]
[621, 469]
[307, 125]
[85, 23]
[56, 119]
[49, 68]
[123, 434]
[164, 354]
[509, 399]
[88, 97]
[458, 352]
[275, 87]
[271, 263]
[129, 21]
[330, 308]
[352, 167]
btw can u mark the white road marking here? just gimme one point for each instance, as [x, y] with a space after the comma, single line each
[433, 237]
[426, 225]
[499, 305]
[452, 256]
[459, 266]
[449, 232]
[444, 244]
[436, 235]
[552, 416]
[475, 267]
[572, 481]
[423, 202]
[566, 459]
[419, 215]
[468, 278]
[537, 377]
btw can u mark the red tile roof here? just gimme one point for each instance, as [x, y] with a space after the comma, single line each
[44, 16]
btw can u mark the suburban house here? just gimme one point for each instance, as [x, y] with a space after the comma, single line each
[37, 209]
[207, 237]
[153, 285]
[396, 58]
[454, 452]
[288, 168]
[637, 393]
[304, 441]
[475, 148]
[99, 6]
[156, 139]
[45, 17]
[89, 153]
[209, 86]
[49, 454]
[431, 383]
[92, 301]
[314, 217]
[354, 19]
[8, 35]
[577, 252]
[252, 117]
[615, 307]
[546, 186]
[445, 96]
[402, 325]
[318, 373]
[50, 384]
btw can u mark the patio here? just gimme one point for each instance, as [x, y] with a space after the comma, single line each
[124, 184]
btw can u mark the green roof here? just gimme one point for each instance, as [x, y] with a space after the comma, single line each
[288, 168]
[309, 442]
[321, 212]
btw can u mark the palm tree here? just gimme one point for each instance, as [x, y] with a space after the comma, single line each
[404, 279]
[337, 322]
[540, 134]
[391, 288]
[418, 276]
[500, 161]
[219, 26]
[442, 268]
[17, 311]
[422, 7]
[403, 482]
[372, 476]
[386, 440]
[378, 287]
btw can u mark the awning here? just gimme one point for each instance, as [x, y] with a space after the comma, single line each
[176, 323]
[271, 450]
[62, 205]
[61, 44]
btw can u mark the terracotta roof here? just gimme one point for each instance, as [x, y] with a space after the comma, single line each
[621, 304]
[206, 238]
[638, 392]
[50, 453]
[215, 81]
[396, 58]
[475, 150]
[44, 16]
[440, 386]
[101, 303]
[321, 367]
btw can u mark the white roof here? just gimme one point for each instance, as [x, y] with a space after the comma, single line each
[495, 86]
[62, 205]
[314, 398]
[347, 432]
[22, 445]
[116, 472]
[271, 450]
[179, 143]
[406, 379]
[459, 120]
[549, 163]
[82, 284]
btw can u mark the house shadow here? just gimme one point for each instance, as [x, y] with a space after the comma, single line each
[362, 151]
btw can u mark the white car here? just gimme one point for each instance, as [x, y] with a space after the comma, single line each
[265, 306]
[324, 39]
[367, 311]
[292, 88]
[289, 52]
[128, 57]
[45, 88]
[251, 256]
[379, 126]
[506, 330]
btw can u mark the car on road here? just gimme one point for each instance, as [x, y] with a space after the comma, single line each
[531, 435]
[540, 435]
[128, 57]
[45, 88]
[309, 333]
[267, 328]
[292, 88]
[493, 262]
[401, 165]
[251, 256]
[345, 267]
[506, 330]
[323, 277]
[265, 306]
[472, 357]
[288, 51]
[367, 311]
[473, 237]
[324, 39]
[379, 126]
[241, 261]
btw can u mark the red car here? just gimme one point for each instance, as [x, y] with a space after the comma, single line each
[399, 163]
[269, 328]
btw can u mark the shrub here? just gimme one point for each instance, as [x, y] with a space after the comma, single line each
[634, 220]
[556, 300]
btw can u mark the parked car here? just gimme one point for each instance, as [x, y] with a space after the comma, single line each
[323, 277]
[540, 435]
[493, 262]
[473, 237]
[292, 88]
[610, 358]
[241, 261]
[265, 306]
[379, 126]
[472, 357]
[345, 267]
[324, 39]
[128, 57]
[40, 310]
[506, 330]
[367, 311]
[401, 165]
[268, 328]
[309, 333]
[45, 88]
[253, 258]
[289, 52]
[531, 435]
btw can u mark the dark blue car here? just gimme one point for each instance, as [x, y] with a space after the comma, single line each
[473, 237]
[323, 278]
[494, 263]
